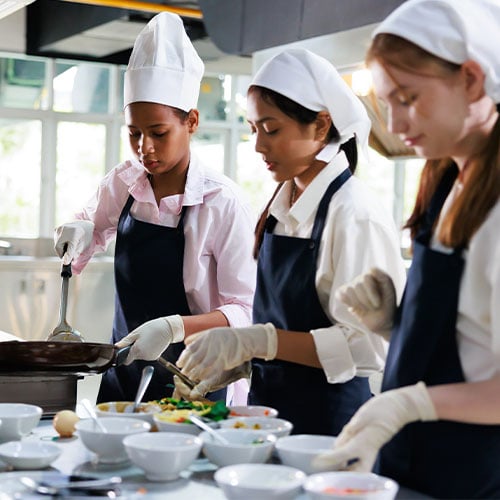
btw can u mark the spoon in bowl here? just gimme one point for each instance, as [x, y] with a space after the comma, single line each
[88, 407]
[147, 373]
[202, 425]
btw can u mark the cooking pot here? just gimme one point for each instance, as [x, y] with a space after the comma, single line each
[61, 357]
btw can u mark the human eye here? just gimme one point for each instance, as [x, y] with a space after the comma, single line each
[406, 99]
[274, 131]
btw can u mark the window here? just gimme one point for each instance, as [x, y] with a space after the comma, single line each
[62, 129]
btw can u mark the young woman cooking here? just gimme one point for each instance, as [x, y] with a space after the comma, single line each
[182, 258]
[310, 359]
[435, 65]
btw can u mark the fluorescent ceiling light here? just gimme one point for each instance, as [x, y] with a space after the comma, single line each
[7, 7]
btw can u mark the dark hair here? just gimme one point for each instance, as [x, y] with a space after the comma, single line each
[482, 190]
[180, 113]
[303, 116]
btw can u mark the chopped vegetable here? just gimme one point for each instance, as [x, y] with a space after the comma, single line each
[177, 410]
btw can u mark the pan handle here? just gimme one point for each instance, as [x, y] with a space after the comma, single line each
[121, 355]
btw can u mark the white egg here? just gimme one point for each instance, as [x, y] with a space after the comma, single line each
[64, 422]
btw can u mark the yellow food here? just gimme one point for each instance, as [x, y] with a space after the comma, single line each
[242, 425]
[179, 416]
[64, 422]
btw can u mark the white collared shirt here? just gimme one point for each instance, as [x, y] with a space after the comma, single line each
[219, 269]
[478, 321]
[358, 235]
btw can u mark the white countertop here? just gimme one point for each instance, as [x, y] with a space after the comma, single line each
[195, 483]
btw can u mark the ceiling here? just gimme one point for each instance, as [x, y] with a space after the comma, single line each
[224, 32]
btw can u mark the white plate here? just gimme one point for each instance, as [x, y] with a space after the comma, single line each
[29, 454]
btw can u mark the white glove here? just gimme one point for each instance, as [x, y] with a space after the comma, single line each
[152, 338]
[76, 235]
[211, 384]
[220, 349]
[371, 297]
[374, 424]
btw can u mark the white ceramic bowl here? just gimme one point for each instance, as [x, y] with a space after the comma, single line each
[352, 485]
[252, 411]
[18, 420]
[245, 446]
[259, 481]
[29, 454]
[277, 426]
[184, 427]
[299, 450]
[119, 409]
[108, 446]
[162, 455]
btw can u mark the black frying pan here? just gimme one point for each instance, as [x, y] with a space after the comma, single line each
[57, 357]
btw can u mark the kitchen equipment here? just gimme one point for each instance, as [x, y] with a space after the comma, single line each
[64, 331]
[147, 374]
[173, 369]
[74, 484]
[46, 373]
[70, 358]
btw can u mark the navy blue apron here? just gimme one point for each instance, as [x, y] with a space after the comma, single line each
[286, 296]
[149, 284]
[443, 459]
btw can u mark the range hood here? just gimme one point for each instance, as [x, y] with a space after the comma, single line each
[105, 30]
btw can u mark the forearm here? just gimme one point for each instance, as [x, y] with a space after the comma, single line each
[200, 322]
[471, 402]
[297, 347]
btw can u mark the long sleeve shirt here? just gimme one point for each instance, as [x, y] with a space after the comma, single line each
[219, 270]
[358, 235]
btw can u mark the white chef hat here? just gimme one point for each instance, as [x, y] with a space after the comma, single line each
[164, 67]
[313, 82]
[453, 30]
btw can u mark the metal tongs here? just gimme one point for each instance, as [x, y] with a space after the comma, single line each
[173, 369]
[69, 488]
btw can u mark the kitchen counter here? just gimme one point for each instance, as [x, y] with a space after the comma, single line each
[195, 483]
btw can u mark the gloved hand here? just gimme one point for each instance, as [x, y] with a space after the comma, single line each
[213, 383]
[152, 338]
[374, 424]
[77, 235]
[371, 297]
[219, 349]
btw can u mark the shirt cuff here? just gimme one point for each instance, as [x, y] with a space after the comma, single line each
[334, 354]
[237, 315]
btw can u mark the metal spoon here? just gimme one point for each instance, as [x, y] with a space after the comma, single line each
[57, 488]
[202, 425]
[147, 374]
[90, 410]
[64, 331]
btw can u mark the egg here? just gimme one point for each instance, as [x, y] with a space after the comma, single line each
[64, 422]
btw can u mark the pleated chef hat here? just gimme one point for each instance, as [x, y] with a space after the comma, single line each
[313, 82]
[164, 67]
[455, 30]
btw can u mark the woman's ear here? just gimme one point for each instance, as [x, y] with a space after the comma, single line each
[474, 80]
[323, 124]
[193, 120]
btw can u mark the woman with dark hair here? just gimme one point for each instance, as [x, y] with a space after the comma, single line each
[322, 226]
[435, 65]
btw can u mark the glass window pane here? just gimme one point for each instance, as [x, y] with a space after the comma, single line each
[209, 147]
[252, 174]
[242, 82]
[81, 88]
[20, 153]
[215, 94]
[22, 83]
[80, 166]
[378, 174]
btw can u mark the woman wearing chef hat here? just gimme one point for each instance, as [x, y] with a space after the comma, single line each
[182, 258]
[435, 65]
[311, 361]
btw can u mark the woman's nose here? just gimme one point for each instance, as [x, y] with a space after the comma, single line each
[145, 146]
[260, 145]
[396, 122]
